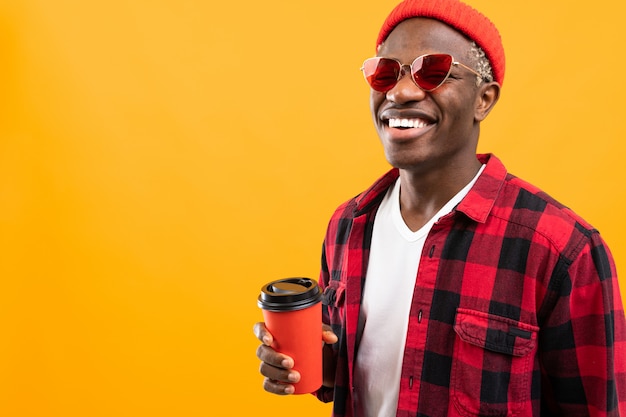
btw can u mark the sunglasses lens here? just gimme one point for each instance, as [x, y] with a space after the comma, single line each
[381, 73]
[430, 71]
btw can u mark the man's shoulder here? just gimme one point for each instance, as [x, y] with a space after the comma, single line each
[531, 197]
[526, 205]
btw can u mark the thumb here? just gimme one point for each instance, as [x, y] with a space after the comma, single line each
[328, 336]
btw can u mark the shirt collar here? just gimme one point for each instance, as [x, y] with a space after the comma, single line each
[371, 198]
[476, 205]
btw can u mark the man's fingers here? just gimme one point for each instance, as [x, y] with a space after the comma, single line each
[278, 380]
[328, 336]
[271, 357]
[275, 387]
[263, 334]
[280, 375]
[275, 367]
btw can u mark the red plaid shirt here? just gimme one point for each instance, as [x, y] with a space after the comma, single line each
[516, 308]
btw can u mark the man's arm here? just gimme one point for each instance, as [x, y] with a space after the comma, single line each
[583, 340]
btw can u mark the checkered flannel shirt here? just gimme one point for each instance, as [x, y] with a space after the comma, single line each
[516, 307]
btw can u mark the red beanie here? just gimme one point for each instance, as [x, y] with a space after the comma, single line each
[458, 15]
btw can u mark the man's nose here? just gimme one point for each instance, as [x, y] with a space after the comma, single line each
[405, 90]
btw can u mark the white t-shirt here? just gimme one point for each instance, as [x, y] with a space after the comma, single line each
[392, 269]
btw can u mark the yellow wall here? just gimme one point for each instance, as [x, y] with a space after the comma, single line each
[161, 159]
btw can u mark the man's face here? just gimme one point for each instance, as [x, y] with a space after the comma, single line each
[444, 130]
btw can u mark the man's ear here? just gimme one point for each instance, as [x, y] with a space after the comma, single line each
[488, 95]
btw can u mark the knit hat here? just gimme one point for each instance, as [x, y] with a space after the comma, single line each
[458, 15]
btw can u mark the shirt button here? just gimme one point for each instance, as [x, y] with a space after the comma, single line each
[419, 316]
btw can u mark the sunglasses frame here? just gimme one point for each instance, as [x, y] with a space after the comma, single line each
[403, 71]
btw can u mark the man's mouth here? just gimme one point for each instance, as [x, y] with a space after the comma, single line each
[407, 123]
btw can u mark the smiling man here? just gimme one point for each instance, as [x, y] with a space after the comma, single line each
[452, 287]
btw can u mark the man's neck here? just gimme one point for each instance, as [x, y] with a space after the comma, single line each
[423, 194]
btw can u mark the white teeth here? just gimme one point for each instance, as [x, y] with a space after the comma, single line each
[412, 123]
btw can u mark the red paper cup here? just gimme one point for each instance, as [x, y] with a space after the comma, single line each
[293, 315]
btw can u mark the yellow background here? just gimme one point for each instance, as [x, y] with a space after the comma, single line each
[161, 159]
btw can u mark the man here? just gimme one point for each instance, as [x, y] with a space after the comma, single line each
[452, 287]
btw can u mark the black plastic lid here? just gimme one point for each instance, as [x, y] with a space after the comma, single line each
[289, 294]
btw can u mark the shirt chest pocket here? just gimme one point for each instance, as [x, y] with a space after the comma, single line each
[492, 364]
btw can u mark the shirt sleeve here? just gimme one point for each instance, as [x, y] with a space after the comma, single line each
[583, 340]
[324, 394]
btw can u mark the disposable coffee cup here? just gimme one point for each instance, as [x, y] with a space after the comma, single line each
[292, 311]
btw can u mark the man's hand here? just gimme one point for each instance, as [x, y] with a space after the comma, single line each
[277, 367]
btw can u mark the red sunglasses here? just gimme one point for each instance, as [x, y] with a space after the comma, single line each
[427, 71]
